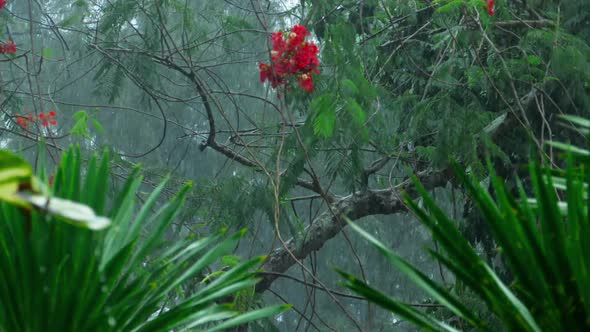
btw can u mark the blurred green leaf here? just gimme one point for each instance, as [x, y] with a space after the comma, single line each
[230, 260]
[534, 60]
[47, 53]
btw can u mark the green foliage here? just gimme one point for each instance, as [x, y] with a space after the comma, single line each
[545, 253]
[245, 194]
[449, 6]
[59, 277]
[76, 13]
[82, 119]
[440, 83]
[19, 187]
[325, 119]
[13, 168]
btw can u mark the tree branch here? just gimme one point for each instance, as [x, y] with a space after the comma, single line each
[331, 222]
[356, 206]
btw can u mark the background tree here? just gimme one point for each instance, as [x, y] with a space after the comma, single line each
[404, 85]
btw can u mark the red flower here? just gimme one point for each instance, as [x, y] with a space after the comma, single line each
[491, 7]
[46, 120]
[278, 44]
[21, 121]
[300, 31]
[8, 48]
[264, 72]
[307, 57]
[2, 4]
[291, 56]
[306, 82]
[297, 36]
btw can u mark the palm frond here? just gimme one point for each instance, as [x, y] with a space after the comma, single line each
[541, 240]
[61, 277]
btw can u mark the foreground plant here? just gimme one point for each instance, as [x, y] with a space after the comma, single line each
[59, 276]
[543, 241]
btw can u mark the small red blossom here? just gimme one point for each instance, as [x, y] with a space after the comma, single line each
[491, 5]
[264, 72]
[8, 48]
[300, 31]
[291, 56]
[2, 4]
[306, 82]
[46, 119]
[22, 122]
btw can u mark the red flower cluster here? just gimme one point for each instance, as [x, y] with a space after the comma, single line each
[291, 56]
[8, 48]
[491, 7]
[45, 119]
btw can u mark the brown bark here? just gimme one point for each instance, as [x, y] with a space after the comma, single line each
[331, 222]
